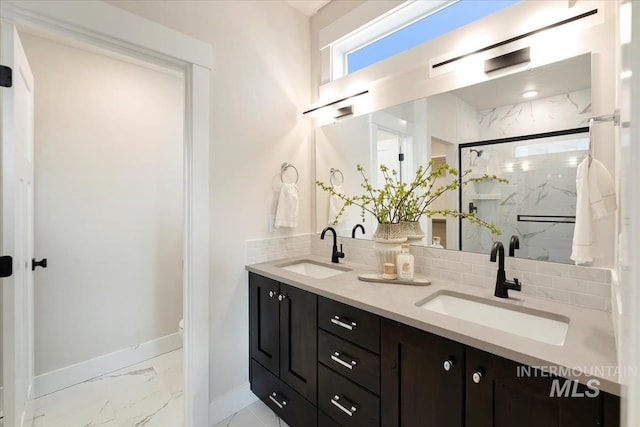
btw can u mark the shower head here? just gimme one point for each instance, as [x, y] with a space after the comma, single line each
[478, 152]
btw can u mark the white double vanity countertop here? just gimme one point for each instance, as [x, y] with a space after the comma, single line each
[588, 352]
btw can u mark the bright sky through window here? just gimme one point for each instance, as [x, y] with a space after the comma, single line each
[447, 19]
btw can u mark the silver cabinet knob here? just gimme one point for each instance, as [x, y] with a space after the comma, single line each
[448, 364]
[477, 377]
[272, 294]
[282, 297]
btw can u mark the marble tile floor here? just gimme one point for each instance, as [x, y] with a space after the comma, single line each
[148, 394]
[255, 415]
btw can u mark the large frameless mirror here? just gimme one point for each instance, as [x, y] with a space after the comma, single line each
[535, 143]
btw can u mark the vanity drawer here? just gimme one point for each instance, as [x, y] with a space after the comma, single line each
[345, 402]
[355, 363]
[325, 420]
[294, 409]
[350, 323]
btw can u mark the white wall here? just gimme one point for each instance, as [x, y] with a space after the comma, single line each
[108, 203]
[259, 88]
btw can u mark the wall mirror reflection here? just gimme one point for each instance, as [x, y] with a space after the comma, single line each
[535, 140]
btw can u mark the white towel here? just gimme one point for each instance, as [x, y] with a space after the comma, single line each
[335, 205]
[596, 199]
[287, 208]
[602, 192]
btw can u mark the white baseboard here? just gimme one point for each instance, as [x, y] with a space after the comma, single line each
[230, 403]
[83, 371]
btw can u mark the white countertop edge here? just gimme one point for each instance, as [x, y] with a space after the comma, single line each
[589, 344]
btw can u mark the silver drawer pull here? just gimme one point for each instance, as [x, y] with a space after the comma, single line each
[338, 405]
[336, 358]
[347, 324]
[281, 405]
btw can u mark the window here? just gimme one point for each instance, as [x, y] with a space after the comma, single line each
[414, 23]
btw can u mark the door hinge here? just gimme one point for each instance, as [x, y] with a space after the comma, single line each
[6, 266]
[401, 157]
[6, 76]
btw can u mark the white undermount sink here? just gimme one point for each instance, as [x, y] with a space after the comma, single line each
[313, 269]
[537, 325]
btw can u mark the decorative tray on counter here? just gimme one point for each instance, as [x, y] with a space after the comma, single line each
[418, 280]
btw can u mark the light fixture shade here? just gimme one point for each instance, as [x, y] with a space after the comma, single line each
[338, 108]
[507, 60]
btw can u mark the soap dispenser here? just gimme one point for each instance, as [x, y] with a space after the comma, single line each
[405, 263]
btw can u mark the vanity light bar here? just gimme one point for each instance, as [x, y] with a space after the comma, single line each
[513, 39]
[508, 60]
[336, 102]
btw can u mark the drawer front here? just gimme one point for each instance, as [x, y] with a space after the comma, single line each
[353, 362]
[282, 399]
[350, 323]
[325, 420]
[345, 402]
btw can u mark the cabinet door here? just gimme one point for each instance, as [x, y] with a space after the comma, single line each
[417, 390]
[507, 395]
[299, 340]
[264, 344]
[282, 399]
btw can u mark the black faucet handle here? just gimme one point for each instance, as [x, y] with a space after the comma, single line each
[341, 254]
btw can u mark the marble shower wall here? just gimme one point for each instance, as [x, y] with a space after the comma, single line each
[566, 111]
[540, 182]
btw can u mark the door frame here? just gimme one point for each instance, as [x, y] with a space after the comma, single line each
[109, 27]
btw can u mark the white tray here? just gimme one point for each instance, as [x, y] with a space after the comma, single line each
[418, 280]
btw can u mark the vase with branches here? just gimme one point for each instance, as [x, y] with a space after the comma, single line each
[396, 201]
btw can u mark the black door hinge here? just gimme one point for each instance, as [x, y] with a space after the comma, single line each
[401, 157]
[6, 266]
[6, 76]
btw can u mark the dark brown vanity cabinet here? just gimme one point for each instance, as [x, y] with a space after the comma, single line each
[319, 362]
[422, 378]
[503, 393]
[428, 381]
[283, 349]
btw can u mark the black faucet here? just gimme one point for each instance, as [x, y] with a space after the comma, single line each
[502, 284]
[335, 255]
[355, 227]
[514, 243]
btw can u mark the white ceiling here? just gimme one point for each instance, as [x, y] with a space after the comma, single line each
[308, 7]
[549, 80]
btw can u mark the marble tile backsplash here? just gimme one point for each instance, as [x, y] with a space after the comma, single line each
[582, 286]
[264, 250]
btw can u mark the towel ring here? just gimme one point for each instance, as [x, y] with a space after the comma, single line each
[284, 168]
[332, 175]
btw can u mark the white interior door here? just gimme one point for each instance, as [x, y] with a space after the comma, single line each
[17, 233]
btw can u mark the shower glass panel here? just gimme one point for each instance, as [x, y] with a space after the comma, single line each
[537, 205]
